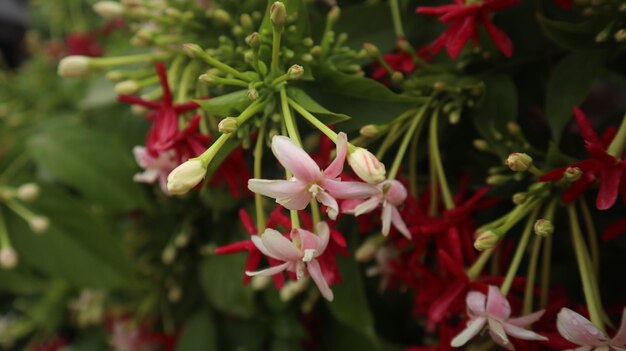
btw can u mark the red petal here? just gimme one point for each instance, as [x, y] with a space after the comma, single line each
[584, 125]
[609, 186]
[436, 10]
[577, 188]
[162, 73]
[614, 230]
[465, 30]
[500, 38]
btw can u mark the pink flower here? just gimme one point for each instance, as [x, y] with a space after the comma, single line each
[308, 180]
[298, 254]
[580, 331]
[155, 168]
[495, 311]
[389, 193]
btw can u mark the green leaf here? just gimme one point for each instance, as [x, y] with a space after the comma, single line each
[568, 86]
[573, 36]
[230, 103]
[350, 305]
[94, 163]
[368, 15]
[309, 104]
[100, 93]
[221, 280]
[17, 281]
[199, 334]
[497, 108]
[78, 246]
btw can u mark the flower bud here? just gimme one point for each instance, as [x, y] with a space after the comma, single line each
[207, 79]
[108, 9]
[114, 75]
[295, 72]
[292, 288]
[174, 294]
[333, 15]
[497, 179]
[181, 240]
[186, 176]
[620, 35]
[368, 249]
[127, 87]
[366, 166]
[246, 21]
[192, 50]
[519, 162]
[572, 174]
[260, 282]
[28, 192]
[481, 144]
[371, 50]
[254, 40]
[8, 258]
[513, 128]
[39, 224]
[486, 240]
[403, 45]
[73, 66]
[454, 117]
[169, 254]
[519, 198]
[253, 94]
[369, 130]
[228, 125]
[544, 227]
[277, 15]
[397, 78]
[139, 110]
[221, 17]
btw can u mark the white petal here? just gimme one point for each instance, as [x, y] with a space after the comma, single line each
[269, 271]
[473, 327]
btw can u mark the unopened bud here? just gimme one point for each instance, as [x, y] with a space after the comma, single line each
[8, 258]
[221, 17]
[139, 110]
[371, 50]
[127, 87]
[513, 128]
[572, 174]
[519, 162]
[253, 94]
[228, 125]
[246, 21]
[369, 130]
[620, 35]
[519, 198]
[186, 176]
[292, 288]
[260, 282]
[192, 50]
[28, 192]
[333, 15]
[295, 72]
[39, 224]
[439, 86]
[497, 179]
[404, 45]
[481, 144]
[368, 249]
[486, 240]
[253, 40]
[174, 294]
[277, 15]
[114, 75]
[544, 227]
[181, 240]
[366, 166]
[73, 66]
[397, 78]
[454, 117]
[108, 9]
[207, 79]
[168, 255]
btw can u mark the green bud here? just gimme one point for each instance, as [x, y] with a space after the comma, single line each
[486, 240]
[481, 144]
[397, 78]
[369, 130]
[253, 94]
[295, 72]
[544, 227]
[572, 174]
[228, 125]
[519, 198]
[333, 15]
[371, 50]
[246, 21]
[254, 40]
[519, 162]
[277, 15]
[193, 50]
[221, 17]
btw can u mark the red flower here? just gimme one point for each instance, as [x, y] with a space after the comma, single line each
[610, 170]
[164, 132]
[83, 44]
[464, 20]
[399, 61]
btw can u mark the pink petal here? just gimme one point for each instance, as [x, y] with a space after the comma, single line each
[500, 38]
[269, 271]
[349, 206]
[465, 31]
[497, 304]
[527, 319]
[578, 329]
[279, 246]
[386, 218]
[316, 273]
[476, 303]
[336, 167]
[367, 206]
[291, 194]
[348, 190]
[332, 208]
[294, 159]
[308, 240]
[609, 187]
[396, 194]
[398, 222]
[323, 232]
[620, 337]
[496, 330]
[473, 328]
[522, 333]
[258, 242]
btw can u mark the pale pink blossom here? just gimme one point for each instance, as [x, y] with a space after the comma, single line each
[494, 311]
[128, 337]
[155, 168]
[580, 331]
[308, 179]
[298, 254]
[390, 194]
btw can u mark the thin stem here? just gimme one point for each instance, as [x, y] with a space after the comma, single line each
[16, 165]
[312, 119]
[532, 272]
[405, 142]
[210, 153]
[315, 212]
[616, 148]
[519, 253]
[20, 210]
[436, 157]
[474, 271]
[397, 20]
[222, 66]
[434, 194]
[258, 199]
[592, 236]
[546, 260]
[392, 136]
[579, 248]
[290, 123]
[188, 76]
[4, 233]
[250, 111]
[276, 36]
[103, 62]
[413, 163]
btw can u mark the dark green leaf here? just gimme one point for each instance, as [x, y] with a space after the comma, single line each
[226, 104]
[199, 334]
[568, 86]
[573, 36]
[90, 161]
[221, 280]
[304, 100]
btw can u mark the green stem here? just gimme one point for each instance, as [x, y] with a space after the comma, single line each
[580, 250]
[258, 199]
[313, 120]
[276, 36]
[519, 253]
[474, 271]
[546, 261]
[436, 157]
[434, 194]
[315, 212]
[250, 111]
[405, 142]
[210, 153]
[616, 148]
[397, 20]
[592, 236]
[104, 62]
[188, 76]
[390, 138]
[222, 66]
[532, 272]
[413, 164]
[290, 122]
[16, 165]
[20, 210]
[4, 233]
